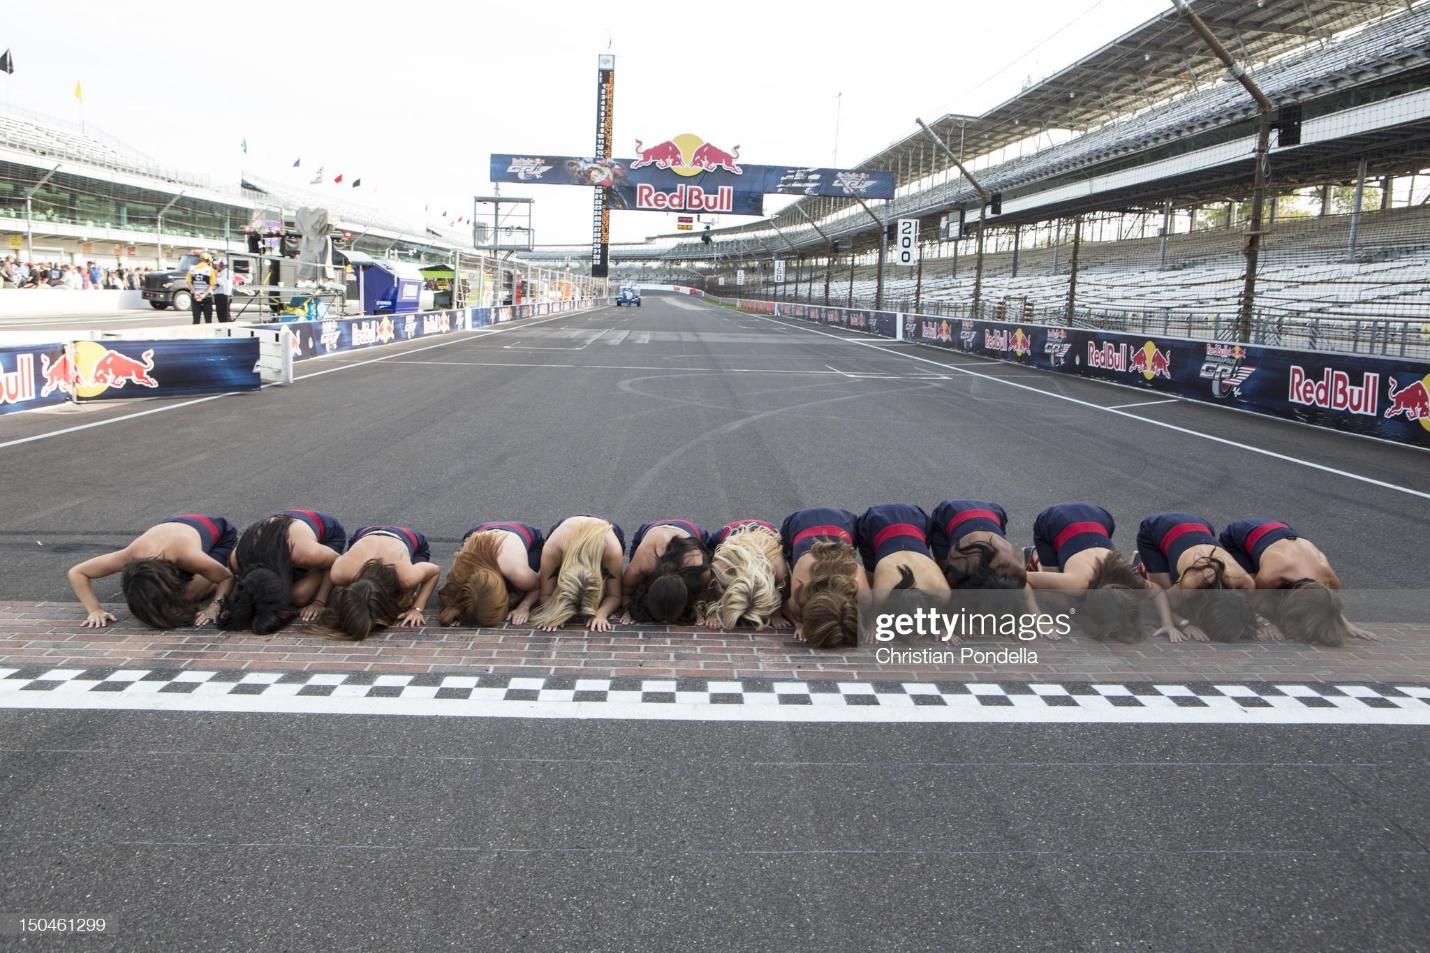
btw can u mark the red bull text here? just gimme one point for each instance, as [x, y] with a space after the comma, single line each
[685, 198]
[1333, 390]
[18, 386]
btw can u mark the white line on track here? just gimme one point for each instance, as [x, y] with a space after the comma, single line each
[1120, 413]
[475, 334]
[1146, 403]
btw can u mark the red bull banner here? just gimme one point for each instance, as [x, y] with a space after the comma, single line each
[1385, 397]
[688, 174]
[29, 377]
[107, 370]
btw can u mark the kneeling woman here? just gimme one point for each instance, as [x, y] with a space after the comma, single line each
[968, 538]
[1181, 554]
[1074, 549]
[893, 542]
[749, 571]
[828, 586]
[494, 576]
[668, 571]
[581, 566]
[1308, 604]
[385, 578]
[280, 571]
[165, 572]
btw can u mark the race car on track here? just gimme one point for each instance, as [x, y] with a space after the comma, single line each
[628, 296]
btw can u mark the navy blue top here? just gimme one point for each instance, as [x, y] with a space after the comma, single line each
[1162, 539]
[1062, 531]
[803, 528]
[890, 528]
[954, 519]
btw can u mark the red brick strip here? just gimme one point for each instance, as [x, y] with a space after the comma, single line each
[49, 634]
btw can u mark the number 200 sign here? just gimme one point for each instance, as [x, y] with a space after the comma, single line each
[906, 252]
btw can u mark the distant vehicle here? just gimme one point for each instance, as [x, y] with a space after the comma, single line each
[628, 296]
[170, 289]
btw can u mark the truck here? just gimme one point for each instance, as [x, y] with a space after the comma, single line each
[170, 289]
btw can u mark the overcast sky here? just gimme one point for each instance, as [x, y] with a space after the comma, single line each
[415, 106]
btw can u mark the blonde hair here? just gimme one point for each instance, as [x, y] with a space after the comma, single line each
[580, 585]
[475, 592]
[831, 599]
[744, 577]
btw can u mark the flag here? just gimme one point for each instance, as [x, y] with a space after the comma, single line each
[7, 63]
[244, 145]
[357, 182]
[317, 179]
[78, 91]
[339, 179]
[297, 162]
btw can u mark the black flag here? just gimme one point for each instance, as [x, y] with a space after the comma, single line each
[357, 182]
[7, 63]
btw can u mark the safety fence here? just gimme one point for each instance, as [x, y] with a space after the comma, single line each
[1382, 397]
[209, 359]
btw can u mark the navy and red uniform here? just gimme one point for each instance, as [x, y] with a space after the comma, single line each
[1247, 540]
[1162, 539]
[417, 548]
[803, 528]
[954, 519]
[730, 527]
[1061, 532]
[529, 535]
[329, 531]
[892, 528]
[217, 535]
[620, 533]
[699, 534]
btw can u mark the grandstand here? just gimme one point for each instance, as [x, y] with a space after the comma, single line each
[1143, 151]
[78, 194]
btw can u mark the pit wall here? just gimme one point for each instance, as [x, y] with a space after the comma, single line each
[1383, 397]
[191, 360]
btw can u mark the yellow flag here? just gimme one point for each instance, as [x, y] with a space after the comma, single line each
[78, 91]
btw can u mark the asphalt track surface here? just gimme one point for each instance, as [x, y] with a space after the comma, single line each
[216, 831]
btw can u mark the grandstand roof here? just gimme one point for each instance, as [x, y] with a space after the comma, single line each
[1147, 65]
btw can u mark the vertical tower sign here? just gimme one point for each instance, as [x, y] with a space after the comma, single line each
[601, 233]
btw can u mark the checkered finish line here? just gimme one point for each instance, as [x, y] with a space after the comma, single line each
[233, 690]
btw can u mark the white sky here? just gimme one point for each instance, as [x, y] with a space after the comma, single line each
[415, 107]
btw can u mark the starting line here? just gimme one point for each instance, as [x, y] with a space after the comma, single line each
[502, 696]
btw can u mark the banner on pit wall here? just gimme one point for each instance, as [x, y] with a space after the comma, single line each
[1383, 397]
[309, 339]
[110, 369]
[30, 377]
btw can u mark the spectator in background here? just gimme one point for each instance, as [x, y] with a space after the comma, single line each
[201, 285]
[223, 291]
[96, 277]
[74, 280]
[55, 275]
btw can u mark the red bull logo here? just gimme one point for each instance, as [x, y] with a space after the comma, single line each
[1411, 401]
[1333, 390]
[58, 374]
[688, 154]
[87, 369]
[1151, 362]
[1021, 344]
[685, 198]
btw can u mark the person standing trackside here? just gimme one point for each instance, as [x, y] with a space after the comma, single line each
[201, 285]
[223, 291]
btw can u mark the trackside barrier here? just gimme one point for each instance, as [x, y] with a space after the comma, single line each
[85, 369]
[186, 360]
[1383, 397]
[310, 339]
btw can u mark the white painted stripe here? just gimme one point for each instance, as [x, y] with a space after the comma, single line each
[1286, 458]
[466, 337]
[1146, 403]
[762, 707]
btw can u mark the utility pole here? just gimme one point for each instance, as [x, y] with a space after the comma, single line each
[1263, 154]
[983, 197]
